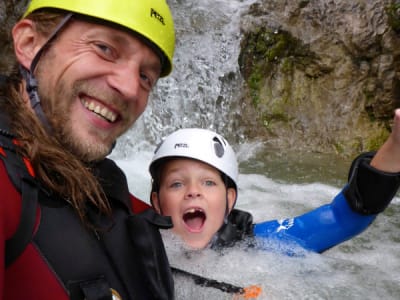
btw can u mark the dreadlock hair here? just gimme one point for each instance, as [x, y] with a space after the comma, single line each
[55, 167]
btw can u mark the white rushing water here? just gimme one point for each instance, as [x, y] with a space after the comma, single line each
[202, 91]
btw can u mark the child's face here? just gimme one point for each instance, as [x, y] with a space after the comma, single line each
[194, 195]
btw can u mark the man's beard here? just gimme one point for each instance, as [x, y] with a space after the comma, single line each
[58, 112]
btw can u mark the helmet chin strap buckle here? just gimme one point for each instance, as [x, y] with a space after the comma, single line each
[31, 88]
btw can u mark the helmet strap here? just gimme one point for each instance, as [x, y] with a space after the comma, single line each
[226, 199]
[31, 82]
[159, 203]
[31, 88]
[50, 39]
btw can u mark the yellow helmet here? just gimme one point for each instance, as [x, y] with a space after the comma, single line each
[150, 18]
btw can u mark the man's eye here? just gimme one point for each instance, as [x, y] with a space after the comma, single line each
[104, 50]
[147, 81]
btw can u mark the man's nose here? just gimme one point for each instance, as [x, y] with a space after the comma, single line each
[126, 80]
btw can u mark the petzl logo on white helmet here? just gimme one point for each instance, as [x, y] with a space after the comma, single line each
[201, 144]
[181, 145]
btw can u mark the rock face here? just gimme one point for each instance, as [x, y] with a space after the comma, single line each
[321, 75]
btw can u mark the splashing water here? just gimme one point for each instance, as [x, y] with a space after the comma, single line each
[203, 91]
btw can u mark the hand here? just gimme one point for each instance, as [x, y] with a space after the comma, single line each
[387, 158]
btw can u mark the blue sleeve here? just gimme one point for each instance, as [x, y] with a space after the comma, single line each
[319, 229]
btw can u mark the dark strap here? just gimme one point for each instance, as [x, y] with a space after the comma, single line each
[238, 227]
[18, 242]
[151, 256]
[208, 282]
[113, 181]
[96, 289]
[26, 185]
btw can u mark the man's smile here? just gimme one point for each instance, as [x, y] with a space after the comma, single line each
[100, 109]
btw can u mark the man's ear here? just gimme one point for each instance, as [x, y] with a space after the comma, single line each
[27, 42]
[155, 202]
[231, 194]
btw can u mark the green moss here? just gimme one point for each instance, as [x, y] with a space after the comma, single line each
[338, 148]
[266, 50]
[254, 82]
[304, 3]
[393, 13]
[280, 45]
[287, 65]
[375, 141]
[276, 113]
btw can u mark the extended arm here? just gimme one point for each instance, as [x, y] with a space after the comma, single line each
[319, 229]
[373, 182]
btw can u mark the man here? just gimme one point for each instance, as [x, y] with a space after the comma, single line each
[84, 71]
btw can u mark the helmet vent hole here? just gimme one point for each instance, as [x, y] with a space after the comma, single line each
[218, 147]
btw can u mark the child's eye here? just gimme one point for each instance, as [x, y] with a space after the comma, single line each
[209, 183]
[176, 184]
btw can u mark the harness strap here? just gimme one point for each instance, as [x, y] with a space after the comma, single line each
[17, 243]
[22, 178]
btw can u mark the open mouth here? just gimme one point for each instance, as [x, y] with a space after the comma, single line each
[100, 110]
[194, 219]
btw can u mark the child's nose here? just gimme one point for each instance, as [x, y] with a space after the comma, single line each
[193, 194]
[193, 191]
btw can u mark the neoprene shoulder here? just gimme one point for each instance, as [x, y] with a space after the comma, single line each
[61, 258]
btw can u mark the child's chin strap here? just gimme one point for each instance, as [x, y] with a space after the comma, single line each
[31, 82]
[226, 181]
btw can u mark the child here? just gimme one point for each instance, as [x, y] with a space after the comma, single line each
[194, 180]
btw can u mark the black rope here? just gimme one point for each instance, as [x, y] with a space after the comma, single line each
[207, 282]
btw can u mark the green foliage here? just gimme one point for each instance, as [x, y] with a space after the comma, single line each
[264, 52]
[376, 140]
[393, 13]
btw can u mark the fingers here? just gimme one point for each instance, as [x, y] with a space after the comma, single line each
[388, 156]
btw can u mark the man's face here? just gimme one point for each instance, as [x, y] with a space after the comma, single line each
[94, 82]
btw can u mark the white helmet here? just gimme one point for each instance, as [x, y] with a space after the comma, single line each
[201, 144]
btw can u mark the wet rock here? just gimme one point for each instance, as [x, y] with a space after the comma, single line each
[321, 75]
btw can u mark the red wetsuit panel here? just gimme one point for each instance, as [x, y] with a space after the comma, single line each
[29, 277]
[138, 205]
